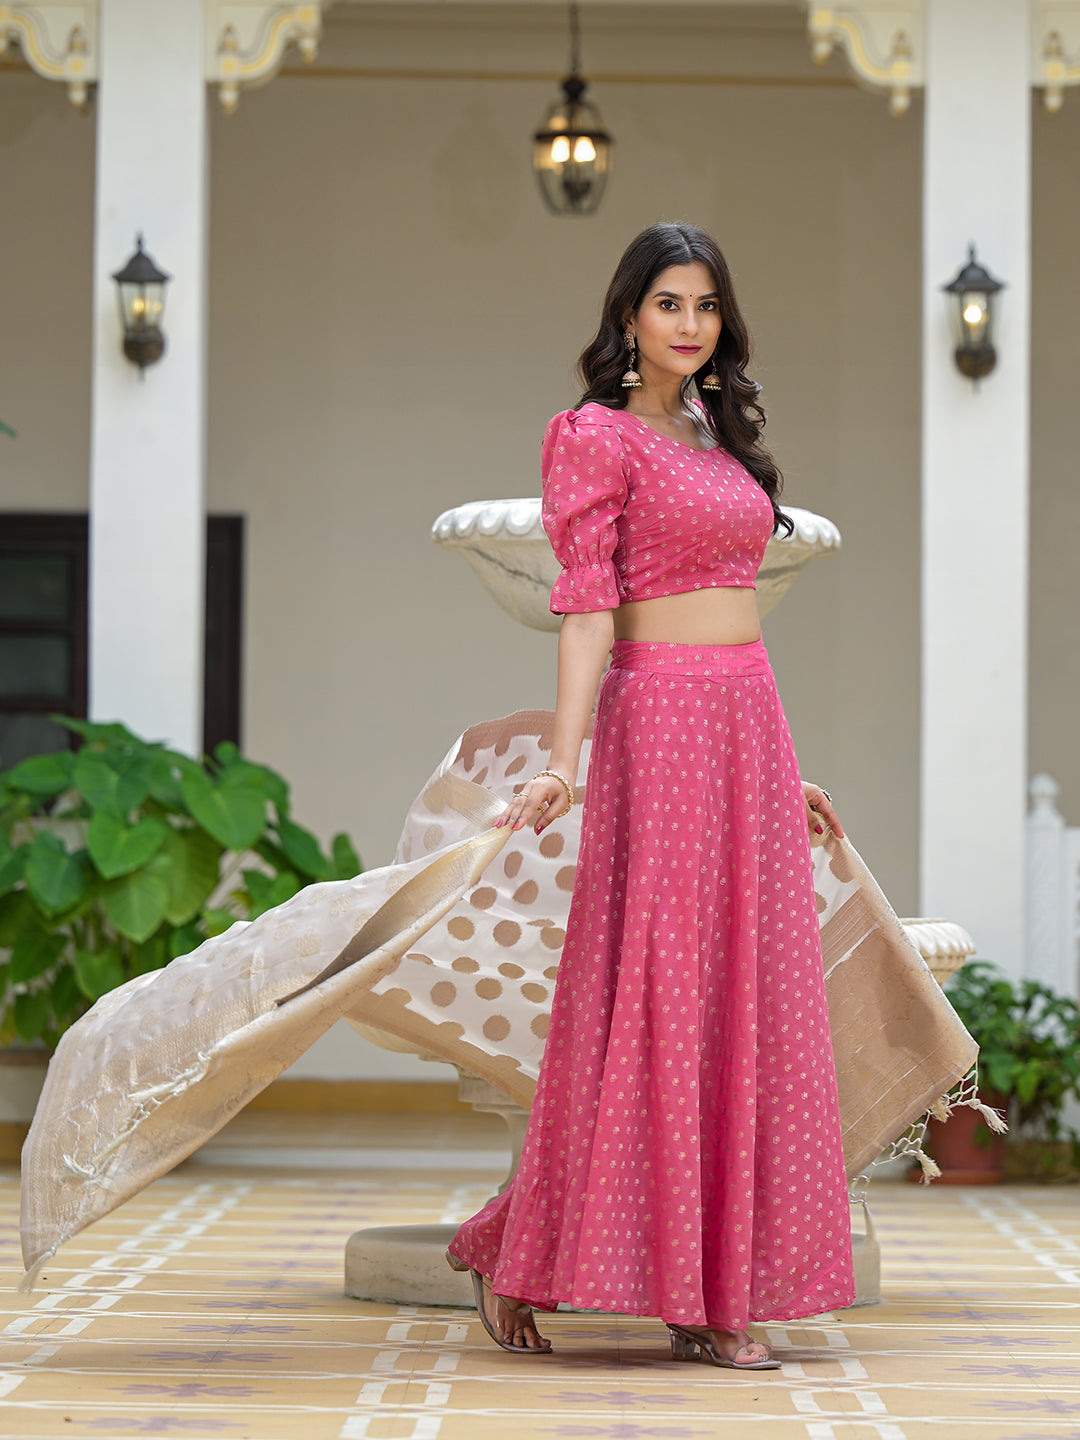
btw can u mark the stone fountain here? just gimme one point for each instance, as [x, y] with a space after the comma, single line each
[504, 542]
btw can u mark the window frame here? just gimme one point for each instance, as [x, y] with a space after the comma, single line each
[57, 532]
[62, 532]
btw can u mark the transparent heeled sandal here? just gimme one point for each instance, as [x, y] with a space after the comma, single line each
[698, 1345]
[515, 1307]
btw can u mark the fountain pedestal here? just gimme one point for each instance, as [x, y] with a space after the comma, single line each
[406, 1264]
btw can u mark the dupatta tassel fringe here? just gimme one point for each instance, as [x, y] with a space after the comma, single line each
[910, 1144]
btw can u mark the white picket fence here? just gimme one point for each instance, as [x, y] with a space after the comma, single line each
[1053, 891]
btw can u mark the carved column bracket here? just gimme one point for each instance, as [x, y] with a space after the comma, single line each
[57, 38]
[883, 42]
[1056, 49]
[246, 41]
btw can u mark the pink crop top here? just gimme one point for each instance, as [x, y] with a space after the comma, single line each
[632, 515]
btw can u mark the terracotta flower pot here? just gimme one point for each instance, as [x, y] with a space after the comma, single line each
[967, 1151]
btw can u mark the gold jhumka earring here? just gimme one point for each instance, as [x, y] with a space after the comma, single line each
[712, 380]
[631, 380]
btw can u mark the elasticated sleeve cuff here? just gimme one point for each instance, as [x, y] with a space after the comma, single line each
[585, 488]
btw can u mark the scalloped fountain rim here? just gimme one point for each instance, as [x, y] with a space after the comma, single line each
[520, 519]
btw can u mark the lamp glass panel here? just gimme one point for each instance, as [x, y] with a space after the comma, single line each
[572, 188]
[141, 305]
[975, 316]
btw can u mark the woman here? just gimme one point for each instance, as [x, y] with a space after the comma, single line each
[683, 1156]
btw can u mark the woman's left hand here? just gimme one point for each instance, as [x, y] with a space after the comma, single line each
[819, 808]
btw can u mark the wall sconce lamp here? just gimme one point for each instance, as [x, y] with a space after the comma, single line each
[141, 287]
[571, 149]
[973, 292]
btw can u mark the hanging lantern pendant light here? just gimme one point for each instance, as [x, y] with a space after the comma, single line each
[571, 149]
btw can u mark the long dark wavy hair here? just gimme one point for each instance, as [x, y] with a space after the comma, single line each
[733, 411]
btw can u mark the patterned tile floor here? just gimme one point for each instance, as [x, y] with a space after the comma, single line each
[211, 1306]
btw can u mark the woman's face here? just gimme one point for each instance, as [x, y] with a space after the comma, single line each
[678, 324]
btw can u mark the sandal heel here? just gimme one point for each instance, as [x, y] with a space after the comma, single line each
[683, 1347]
[455, 1263]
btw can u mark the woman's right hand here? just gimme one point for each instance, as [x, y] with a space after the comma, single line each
[584, 642]
[538, 803]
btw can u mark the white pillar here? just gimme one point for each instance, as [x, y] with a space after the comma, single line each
[147, 463]
[1050, 951]
[976, 188]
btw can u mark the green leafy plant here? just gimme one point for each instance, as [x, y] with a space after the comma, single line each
[118, 857]
[1029, 1046]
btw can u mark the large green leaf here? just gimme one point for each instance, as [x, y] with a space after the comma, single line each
[134, 772]
[136, 902]
[43, 775]
[1028, 1081]
[67, 1001]
[232, 763]
[218, 921]
[96, 780]
[35, 951]
[16, 911]
[346, 862]
[233, 811]
[32, 1014]
[56, 879]
[12, 865]
[182, 941]
[117, 778]
[152, 954]
[266, 891]
[117, 848]
[272, 853]
[194, 860]
[302, 849]
[99, 730]
[166, 772]
[98, 971]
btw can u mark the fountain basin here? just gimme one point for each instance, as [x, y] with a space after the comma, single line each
[504, 542]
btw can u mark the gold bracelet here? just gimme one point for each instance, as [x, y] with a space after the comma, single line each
[565, 784]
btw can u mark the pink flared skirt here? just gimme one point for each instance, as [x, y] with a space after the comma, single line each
[683, 1156]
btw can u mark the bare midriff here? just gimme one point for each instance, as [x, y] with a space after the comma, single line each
[720, 615]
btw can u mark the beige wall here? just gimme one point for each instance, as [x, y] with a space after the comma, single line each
[394, 317]
[1055, 457]
[46, 235]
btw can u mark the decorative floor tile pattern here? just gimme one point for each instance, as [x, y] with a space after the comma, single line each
[211, 1306]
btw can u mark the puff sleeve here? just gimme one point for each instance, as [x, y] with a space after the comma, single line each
[585, 476]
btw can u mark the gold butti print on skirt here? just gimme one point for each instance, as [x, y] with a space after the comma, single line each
[477, 989]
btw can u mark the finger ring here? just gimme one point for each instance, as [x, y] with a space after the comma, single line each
[825, 793]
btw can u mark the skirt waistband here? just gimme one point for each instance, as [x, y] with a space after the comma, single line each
[669, 657]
